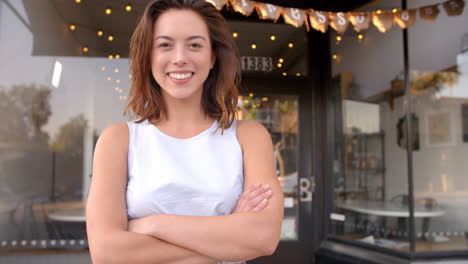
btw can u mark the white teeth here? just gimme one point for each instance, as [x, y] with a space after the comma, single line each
[180, 76]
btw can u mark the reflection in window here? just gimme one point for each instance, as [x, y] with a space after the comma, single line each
[50, 122]
[371, 190]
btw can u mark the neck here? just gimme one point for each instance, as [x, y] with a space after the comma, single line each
[184, 112]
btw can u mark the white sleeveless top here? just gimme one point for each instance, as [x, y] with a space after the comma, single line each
[202, 175]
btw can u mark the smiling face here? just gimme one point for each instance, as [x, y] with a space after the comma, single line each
[182, 55]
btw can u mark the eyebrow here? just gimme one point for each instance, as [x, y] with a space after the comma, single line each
[189, 38]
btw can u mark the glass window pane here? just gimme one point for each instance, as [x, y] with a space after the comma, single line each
[54, 100]
[63, 85]
[439, 91]
[371, 191]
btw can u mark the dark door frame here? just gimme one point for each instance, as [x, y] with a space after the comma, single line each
[314, 161]
[291, 251]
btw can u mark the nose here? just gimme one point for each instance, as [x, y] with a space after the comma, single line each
[179, 56]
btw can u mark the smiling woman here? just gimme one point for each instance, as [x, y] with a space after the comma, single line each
[185, 182]
[181, 61]
[207, 38]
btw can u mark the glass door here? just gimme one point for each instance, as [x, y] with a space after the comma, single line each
[279, 114]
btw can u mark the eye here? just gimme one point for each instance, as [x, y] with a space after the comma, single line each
[164, 45]
[195, 45]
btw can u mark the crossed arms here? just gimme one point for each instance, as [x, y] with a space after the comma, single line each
[162, 238]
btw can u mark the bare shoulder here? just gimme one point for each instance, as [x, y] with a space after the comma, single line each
[114, 136]
[251, 131]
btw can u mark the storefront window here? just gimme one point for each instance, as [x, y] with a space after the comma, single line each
[439, 97]
[65, 78]
[371, 166]
[55, 99]
[371, 170]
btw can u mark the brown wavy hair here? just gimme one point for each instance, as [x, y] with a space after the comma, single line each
[220, 89]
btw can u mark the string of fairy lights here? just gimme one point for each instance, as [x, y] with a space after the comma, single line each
[100, 32]
[279, 63]
[339, 39]
[280, 60]
[117, 81]
[110, 37]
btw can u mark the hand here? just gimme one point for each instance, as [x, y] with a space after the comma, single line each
[254, 199]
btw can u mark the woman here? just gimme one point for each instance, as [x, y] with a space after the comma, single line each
[167, 187]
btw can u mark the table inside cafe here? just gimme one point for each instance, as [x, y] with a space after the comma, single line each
[392, 209]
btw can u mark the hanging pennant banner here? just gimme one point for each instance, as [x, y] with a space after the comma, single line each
[360, 21]
[429, 13]
[405, 18]
[454, 7]
[217, 3]
[339, 21]
[383, 21]
[294, 16]
[244, 7]
[268, 11]
[319, 20]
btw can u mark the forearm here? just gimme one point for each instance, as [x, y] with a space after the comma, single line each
[235, 237]
[127, 247]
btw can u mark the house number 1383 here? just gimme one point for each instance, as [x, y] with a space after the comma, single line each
[250, 63]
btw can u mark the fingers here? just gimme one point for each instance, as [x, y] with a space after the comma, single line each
[260, 206]
[253, 198]
[256, 200]
[244, 199]
[257, 191]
